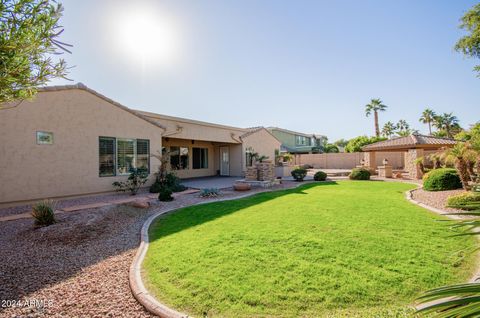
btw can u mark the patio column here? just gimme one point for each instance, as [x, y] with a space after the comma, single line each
[410, 166]
[370, 159]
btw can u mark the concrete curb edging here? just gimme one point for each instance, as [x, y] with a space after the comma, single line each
[137, 287]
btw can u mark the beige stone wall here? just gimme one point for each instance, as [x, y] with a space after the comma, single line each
[410, 165]
[348, 160]
[70, 166]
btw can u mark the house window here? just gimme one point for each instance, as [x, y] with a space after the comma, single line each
[179, 158]
[121, 156]
[125, 155]
[200, 158]
[106, 151]
[44, 138]
[302, 141]
[143, 154]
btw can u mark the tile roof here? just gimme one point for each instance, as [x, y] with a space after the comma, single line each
[412, 141]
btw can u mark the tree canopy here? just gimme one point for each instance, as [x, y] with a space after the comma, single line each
[469, 44]
[29, 47]
[356, 144]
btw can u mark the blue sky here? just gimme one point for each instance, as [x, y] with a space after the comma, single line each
[303, 65]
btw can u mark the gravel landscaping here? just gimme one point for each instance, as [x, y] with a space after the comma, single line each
[79, 265]
[436, 199]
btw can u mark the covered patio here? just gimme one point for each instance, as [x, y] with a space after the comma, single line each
[414, 146]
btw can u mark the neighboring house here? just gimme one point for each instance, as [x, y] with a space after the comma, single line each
[297, 142]
[71, 140]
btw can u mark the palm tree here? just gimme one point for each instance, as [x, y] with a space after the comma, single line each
[403, 125]
[389, 129]
[459, 155]
[446, 122]
[428, 117]
[375, 106]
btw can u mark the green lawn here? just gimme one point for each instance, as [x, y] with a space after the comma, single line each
[346, 249]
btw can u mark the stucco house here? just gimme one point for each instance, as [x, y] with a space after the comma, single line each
[70, 140]
[297, 142]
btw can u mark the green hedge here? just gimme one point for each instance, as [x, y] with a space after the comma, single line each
[441, 180]
[299, 174]
[359, 174]
[465, 201]
[319, 176]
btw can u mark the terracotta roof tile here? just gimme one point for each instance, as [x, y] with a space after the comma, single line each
[412, 141]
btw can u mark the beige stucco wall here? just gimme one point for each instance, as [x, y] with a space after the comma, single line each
[70, 166]
[197, 130]
[190, 172]
[263, 143]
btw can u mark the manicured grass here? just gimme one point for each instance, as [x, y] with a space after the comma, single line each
[346, 249]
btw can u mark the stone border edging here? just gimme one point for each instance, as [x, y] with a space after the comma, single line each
[137, 287]
[155, 307]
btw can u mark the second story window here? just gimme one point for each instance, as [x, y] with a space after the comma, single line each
[303, 141]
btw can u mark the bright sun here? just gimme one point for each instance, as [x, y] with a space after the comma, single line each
[146, 36]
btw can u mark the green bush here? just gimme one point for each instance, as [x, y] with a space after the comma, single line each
[441, 179]
[299, 174]
[165, 194]
[320, 176]
[171, 181]
[465, 201]
[136, 179]
[359, 174]
[44, 213]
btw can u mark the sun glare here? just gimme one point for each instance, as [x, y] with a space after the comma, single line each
[145, 36]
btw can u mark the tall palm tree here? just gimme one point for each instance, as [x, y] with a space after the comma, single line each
[446, 122]
[376, 105]
[428, 117]
[389, 129]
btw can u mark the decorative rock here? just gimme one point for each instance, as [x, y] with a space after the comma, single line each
[241, 186]
[141, 204]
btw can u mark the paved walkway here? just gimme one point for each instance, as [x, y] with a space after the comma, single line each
[106, 202]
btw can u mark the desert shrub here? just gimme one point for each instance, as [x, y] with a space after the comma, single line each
[299, 174]
[465, 201]
[170, 180]
[441, 179]
[209, 193]
[136, 179]
[319, 176]
[359, 174]
[44, 213]
[165, 194]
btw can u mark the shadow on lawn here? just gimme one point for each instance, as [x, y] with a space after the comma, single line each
[185, 218]
[31, 260]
